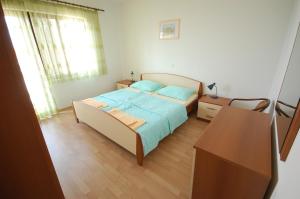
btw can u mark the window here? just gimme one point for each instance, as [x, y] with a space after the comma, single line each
[53, 43]
[31, 65]
[67, 47]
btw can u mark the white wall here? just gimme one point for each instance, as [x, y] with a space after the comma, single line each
[286, 51]
[235, 43]
[288, 172]
[110, 23]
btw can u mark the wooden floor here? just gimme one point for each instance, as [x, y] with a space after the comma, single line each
[91, 166]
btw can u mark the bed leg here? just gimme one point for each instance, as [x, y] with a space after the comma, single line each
[139, 150]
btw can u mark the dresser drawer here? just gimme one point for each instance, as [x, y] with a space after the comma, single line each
[120, 86]
[207, 111]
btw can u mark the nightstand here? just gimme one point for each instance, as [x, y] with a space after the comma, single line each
[124, 84]
[209, 107]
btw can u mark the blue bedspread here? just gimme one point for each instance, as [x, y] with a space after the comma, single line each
[162, 117]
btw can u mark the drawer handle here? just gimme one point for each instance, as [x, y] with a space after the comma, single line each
[208, 116]
[213, 109]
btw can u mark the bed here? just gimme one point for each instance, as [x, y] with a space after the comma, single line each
[146, 105]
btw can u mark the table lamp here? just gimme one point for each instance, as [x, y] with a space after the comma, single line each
[211, 86]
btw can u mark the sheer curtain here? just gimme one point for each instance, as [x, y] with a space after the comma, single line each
[53, 43]
[31, 64]
[67, 47]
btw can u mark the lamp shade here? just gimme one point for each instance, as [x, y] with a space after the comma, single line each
[211, 86]
[132, 74]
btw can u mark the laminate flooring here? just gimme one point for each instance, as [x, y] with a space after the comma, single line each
[89, 165]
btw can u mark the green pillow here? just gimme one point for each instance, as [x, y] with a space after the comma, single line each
[147, 85]
[177, 92]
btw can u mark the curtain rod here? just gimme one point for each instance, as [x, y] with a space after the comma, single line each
[75, 5]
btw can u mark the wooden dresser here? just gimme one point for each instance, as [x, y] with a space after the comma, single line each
[209, 107]
[124, 84]
[233, 156]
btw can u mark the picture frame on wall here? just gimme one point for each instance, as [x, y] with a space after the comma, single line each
[169, 29]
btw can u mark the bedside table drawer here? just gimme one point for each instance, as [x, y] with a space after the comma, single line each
[120, 86]
[207, 111]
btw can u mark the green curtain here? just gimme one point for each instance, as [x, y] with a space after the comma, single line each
[68, 47]
[31, 64]
[69, 38]
[54, 43]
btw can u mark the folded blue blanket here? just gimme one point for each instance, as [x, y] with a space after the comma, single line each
[162, 117]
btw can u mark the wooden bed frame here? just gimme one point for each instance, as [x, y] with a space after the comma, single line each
[117, 131]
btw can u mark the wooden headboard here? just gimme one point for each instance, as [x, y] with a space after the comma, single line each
[172, 79]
